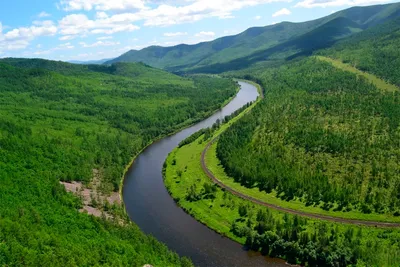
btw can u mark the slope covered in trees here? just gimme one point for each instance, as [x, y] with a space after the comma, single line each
[323, 136]
[272, 42]
[60, 125]
[299, 240]
[375, 50]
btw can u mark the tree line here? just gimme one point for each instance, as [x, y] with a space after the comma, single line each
[323, 136]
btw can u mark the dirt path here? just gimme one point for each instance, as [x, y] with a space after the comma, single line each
[287, 210]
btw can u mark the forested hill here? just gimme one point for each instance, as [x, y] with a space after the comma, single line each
[65, 122]
[255, 44]
[375, 50]
[139, 70]
[324, 137]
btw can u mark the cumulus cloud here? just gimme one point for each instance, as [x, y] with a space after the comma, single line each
[174, 34]
[113, 16]
[67, 37]
[334, 3]
[164, 13]
[65, 46]
[257, 17]
[99, 43]
[43, 14]
[104, 38]
[76, 24]
[114, 5]
[19, 38]
[282, 12]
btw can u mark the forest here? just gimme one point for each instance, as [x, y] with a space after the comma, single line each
[375, 50]
[58, 122]
[326, 137]
[298, 240]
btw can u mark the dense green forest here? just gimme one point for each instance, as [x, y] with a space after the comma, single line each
[60, 121]
[298, 240]
[280, 42]
[375, 50]
[322, 135]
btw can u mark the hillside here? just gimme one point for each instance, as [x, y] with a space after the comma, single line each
[375, 50]
[76, 123]
[276, 41]
[140, 71]
[309, 174]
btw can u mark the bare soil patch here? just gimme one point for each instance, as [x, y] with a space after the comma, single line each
[93, 199]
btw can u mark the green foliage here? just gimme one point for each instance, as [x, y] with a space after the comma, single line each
[192, 137]
[60, 121]
[323, 136]
[275, 42]
[375, 50]
[298, 240]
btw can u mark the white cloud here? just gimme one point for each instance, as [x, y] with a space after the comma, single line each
[257, 17]
[99, 43]
[122, 15]
[76, 24]
[67, 37]
[115, 5]
[205, 34]
[174, 34]
[101, 15]
[19, 38]
[43, 14]
[165, 15]
[228, 16]
[43, 23]
[117, 28]
[334, 3]
[31, 32]
[282, 12]
[64, 46]
[113, 16]
[104, 38]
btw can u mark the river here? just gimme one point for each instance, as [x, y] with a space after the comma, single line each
[151, 207]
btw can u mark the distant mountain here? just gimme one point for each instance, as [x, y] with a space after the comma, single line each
[100, 61]
[131, 70]
[280, 41]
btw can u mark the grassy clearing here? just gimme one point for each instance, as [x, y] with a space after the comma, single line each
[379, 83]
[183, 171]
[214, 164]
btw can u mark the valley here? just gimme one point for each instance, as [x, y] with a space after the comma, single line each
[277, 145]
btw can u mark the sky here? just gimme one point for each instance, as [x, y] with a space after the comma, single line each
[96, 29]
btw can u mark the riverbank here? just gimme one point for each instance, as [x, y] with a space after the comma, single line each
[213, 164]
[218, 223]
[179, 128]
[234, 217]
[151, 207]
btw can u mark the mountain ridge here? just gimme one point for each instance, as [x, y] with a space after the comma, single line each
[195, 58]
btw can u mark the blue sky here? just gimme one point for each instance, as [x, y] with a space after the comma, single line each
[95, 29]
